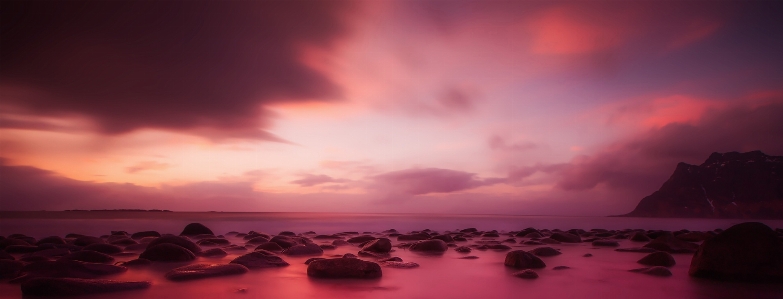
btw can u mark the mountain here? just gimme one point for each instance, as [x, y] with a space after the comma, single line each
[727, 185]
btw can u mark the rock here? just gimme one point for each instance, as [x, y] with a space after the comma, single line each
[33, 259]
[469, 230]
[259, 240]
[659, 258]
[5, 256]
[168, 252]
[10, 268]
[671, 244]
[51, 240]
[87, 240]
[490, 235]
[176, 240]
[446, 238]
[214, 252]
[521, 259]
[463, 249]
[429, 246]
[136, 247]
[77, 286]
[274, 247]
[636, 249]
[286, 241]
[124, 242]
[104, 248]
[196, 229]
[327, 237]
[655, 271]
[561, 268]
[526, 274]
[694, 236]
[545, 251]
[498, 247]
[144, 234]
[640, 237]
[605, 243]
[21, 249]
[413, 237]
[748, 251]
[260, 259]
[135, 263]
[344, 268]
[213, 242]
[89, 256]
[531, 242]
[287, 233]
[67, 268]
[327, 247]
[382, 245]
[312, 259]
[565, 237]
[587, 255]
[361, 239]
[469, 257]
[340, 243]
[400, 265]
[349, 256]
[234, 248]
[391, 259]
[534, 235]
[307, 249]
[199, 271]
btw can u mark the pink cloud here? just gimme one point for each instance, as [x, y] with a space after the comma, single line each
[309, 180]
[146, 165]
[419, 181]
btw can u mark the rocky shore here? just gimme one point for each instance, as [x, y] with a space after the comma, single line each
[77, 264]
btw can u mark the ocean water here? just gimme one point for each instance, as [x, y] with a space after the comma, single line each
[604, 275]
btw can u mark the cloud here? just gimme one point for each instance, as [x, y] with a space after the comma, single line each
[309, 180]
[147, 165]
[499, 143]
[419, 181]
[207, 68]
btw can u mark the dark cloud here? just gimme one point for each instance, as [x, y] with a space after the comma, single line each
[310, 180]
[418, 181]
[206, 67]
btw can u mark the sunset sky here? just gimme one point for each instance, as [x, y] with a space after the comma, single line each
[478, 107]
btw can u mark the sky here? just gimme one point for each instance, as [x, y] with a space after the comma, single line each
[470, 107]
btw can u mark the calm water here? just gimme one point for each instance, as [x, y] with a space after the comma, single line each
[602, 276]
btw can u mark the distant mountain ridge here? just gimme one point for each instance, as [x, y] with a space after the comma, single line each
[727, 185]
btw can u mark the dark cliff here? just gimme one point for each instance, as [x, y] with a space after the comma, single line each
[728, 185]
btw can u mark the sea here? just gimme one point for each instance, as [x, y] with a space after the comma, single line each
[603, 275]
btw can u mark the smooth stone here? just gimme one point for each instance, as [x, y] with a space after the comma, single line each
[260, 240]
[260, 259]
[433, 246]
[135, 262]
[654, 271]
[413, 237]
[168, 252]
[361, 239]
[381, 245]
[104, 248]
[636, 249]
[196, 229]
[605, 243]
[391, 259]
[327, 246]
[658, 258]
[561, 268]
[550, 241]
[566, 237]
[310, 260]
[199, 271]
[6, 256]
[306, 249]
[213, 242]
[671, 244]
[21, 249]
[214, 252]
[640, 237]
[51, 240]
[271, 246]
[89, 256]
[145, 234]
[124, 242]
[446, 238]
[400, 265]
[340, 243]
[463, 249]
[545, 251]
[526, 274]
[521, 259]
[286, 241]
[177, 240]
[67, 268]
[10, 268]
[344, 268]
[748, 251]
[77, 286]
[587, 255]
[87, 240]
[469, 257]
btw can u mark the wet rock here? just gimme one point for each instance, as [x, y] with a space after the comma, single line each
[531, 242]
[135, 263]
[526, 274]
[498, 247]
[328, 247]
[382, 245]
[67, 268]
[199, 271]
[587, 255]
[144, 234]
[344, 268]
[77, 286]
[33, 259]
[566, 237]
[511, 240]
[5, 256]
[490, 235]
[306, 249]
[605, 243]
[640, 237]
[659, 258]
[549, 241]
[89, 256]
[636, 249]
[561, 268]
[87, 240]
[136, 247]
[349, 256]
[361, 239]
[287, 233]
[176, 240]
[459, 239]
[694, 236]
[413, 237]
[10, 268]
[260, 259]
[213, 242]
[340, 243]
[429, 246]
[214, 252]
[469, 257]
[521, 259]
[445, 238]
[469, 230]
[654, 271]
[671, 244]
[124, 242]
[327, 237]
[748, 251]
[463, 249]
[259, 240]
[545, 251]
[21, 249]
[312, 259]
[196, 229]
[51, 240]
[391, 259]
[286, 241]
[168, 252]
[104, 248]
[400, 265]
[534, 235]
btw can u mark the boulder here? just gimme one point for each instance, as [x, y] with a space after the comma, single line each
[67, 268]
[413, 237]
[344, 268]
[51, 240]
[168, 252]
[382, 245]
[327, 247]
[521, 259]
[286, 241]
[145, 234]
[21, 249]
[694, 236]
[429, 246]
[446, 238]
[327, 237]
[640, 237]
[10, 268]
[124, 242]
[136, 262]
[561, 268]
[214, 252]
[89, 256]
[6, 256]
[748, 251]
[654, 271]
[287, 233]
[636, 249]
[545, 251]
[463, 249]
[104, 248]
[87, 240]
[196, 229]
[213, 242]
[260, 259]
[399, 265]
[306, 249]
[77, 286]
[526, 274]
[312, 259]
[340, 243]
[361, 239]
[669, 243]
[176, 240]
[659, 258]
[199, 271]
[258, 240]
[566, 237]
